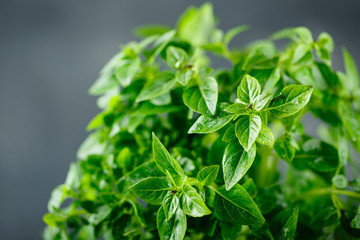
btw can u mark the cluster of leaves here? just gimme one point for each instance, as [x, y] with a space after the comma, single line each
[238, 163]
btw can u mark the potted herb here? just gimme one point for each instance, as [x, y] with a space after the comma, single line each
[182, 150]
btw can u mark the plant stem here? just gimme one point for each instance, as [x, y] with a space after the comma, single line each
[325, 191]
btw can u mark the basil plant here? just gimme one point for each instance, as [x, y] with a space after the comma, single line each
[182, 150]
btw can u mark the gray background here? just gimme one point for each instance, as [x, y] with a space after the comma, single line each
[52, 51]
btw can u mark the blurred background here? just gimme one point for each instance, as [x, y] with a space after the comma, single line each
[51, 52]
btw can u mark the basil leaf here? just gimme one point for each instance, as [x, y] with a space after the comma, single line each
[319, 155]
[265, 136]
[283, 225]
[248, 90]
[261, 101]
[207, 175]
[176, 57]
[150, 30]
[206, 124]
[237, 207]
[233, 32]
[230, 231]
[170, 204]
[236, 162]
[165, 162]
[101, 214]
[237, 108]
[152, 190]
[291, 100]
[297, 34]
[192, 203]
[284, 149]
[247, 129]
[229, 134]
[355, 223]
[162, 83]
[350, 118]
[126, 70]
[250, 187]
[343, 150]
[326, 217]
[351, 71]
[162, 100]
[184, 76]
[197, 25]
[193, 99]
[272, 81]
[175, 228]
[340, 181]
[209, 91]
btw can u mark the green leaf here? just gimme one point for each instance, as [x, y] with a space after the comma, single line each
[170, 204]
[265, 136]
[236, 162]
[284, 149]
[192, 203]
[162, 100]
[250, 187]
[291, 100]
[193, 99]
[184, 76]
[124, 160]
[150, 30]
[283, 225]
[165, 162]
[103, 84]
[73, 177]
[152, 190]
[57, 198]
[229, 134]
[299, 52]
[162, 83]
[208, 174]
[356, 184]
[206, 124]
[351, 70]
[237, 207]
[230, 231]
[175, 228]
[237, 108]
[248, 90]
[326, 42]
[326, 217]
[350, 118]
[233, 32]
[209, 91]
[355, 223]
[126, 70]
[176, 57]
[261, 102]
[319, 155]
[297, 34]
[197, 25]
[50, 219]
[340, 181]
[101, 214]
[247, 129]
[272, 81]
[343, 150]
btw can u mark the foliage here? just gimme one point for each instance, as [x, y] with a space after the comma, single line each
[185, 151]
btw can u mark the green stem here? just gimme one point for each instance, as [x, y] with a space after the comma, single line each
[325, 191]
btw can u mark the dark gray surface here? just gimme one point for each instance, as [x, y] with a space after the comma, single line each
[51, 52]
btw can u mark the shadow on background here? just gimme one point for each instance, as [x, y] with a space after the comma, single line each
[50, 54]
